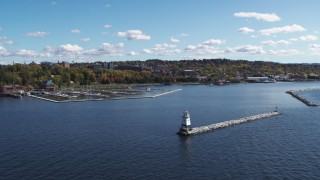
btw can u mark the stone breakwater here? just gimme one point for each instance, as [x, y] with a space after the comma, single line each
[202, 129]
[302, 99]
[172, 91]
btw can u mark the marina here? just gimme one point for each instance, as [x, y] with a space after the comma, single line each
[186, 129]
[64, 99]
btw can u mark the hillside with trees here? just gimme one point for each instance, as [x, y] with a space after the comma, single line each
[152, 71]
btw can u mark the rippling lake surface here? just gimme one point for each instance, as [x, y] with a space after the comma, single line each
[136, 138]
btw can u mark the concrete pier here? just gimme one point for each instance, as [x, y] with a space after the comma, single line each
[302, 99]
[202, 129]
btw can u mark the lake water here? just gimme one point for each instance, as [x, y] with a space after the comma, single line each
[136, 138]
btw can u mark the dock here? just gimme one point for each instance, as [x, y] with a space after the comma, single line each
[293, 93]
[202, 129]
[100, 99]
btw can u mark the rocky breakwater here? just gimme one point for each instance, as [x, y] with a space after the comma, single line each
[202, 129]
[294, 93]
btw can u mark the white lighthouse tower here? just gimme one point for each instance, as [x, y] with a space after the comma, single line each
[186, 121]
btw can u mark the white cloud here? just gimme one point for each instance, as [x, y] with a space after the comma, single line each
[134, 35]
[313, 48]
[26, 53]
[69, 49]
[174, 40]
[284, 52]
[121, 34]
[107, 26]
[259, 16]
[85, 39]
[107, 49]
[284, 29]
[202, 49]
[9, 42]
[162, 49]
[305, 38]
[184, 35]
[3, 37]
[190, 48]
[275, 43]
[133, 53]
[248, 49]
[246, 30]
[49, 49]
[165, 45]
[147, 51]
[37, 34]
[76, 31]
[206, 47]
[214, 42]
[3, 51]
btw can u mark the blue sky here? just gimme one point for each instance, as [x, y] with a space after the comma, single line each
[286, 31]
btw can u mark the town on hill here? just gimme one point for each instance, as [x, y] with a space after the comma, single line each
[211, 71]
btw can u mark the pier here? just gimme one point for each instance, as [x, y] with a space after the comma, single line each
[293, 93]
[196, 130]
[100, 99]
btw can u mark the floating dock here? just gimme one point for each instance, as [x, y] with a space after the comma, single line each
[302, 99]
[202, 129]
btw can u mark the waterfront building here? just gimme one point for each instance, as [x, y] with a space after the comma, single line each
[48, 85]
[12, 89]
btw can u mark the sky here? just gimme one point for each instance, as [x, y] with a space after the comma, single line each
[285, 31]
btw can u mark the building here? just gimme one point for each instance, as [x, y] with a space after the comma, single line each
[189, 73]
[65, 64]
[96, 67]
[48, 85]
[46, 64]
[260, 80]
[13, 89]
[108, 65]
[313, 76]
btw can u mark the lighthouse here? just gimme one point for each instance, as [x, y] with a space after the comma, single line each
[186, 122]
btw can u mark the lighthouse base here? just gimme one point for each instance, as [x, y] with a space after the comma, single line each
[184, 131]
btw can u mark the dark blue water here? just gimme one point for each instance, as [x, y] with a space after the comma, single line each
[136, 138]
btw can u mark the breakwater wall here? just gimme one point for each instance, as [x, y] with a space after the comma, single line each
[100, 99]
[168, 92]
[202, 129]
[293, 93]
[74, 100]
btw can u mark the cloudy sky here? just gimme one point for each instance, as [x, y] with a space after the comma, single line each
[286, 31]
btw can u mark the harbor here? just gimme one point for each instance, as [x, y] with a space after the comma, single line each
[186, 128]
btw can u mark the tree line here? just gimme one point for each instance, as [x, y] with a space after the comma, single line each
[151, 71]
